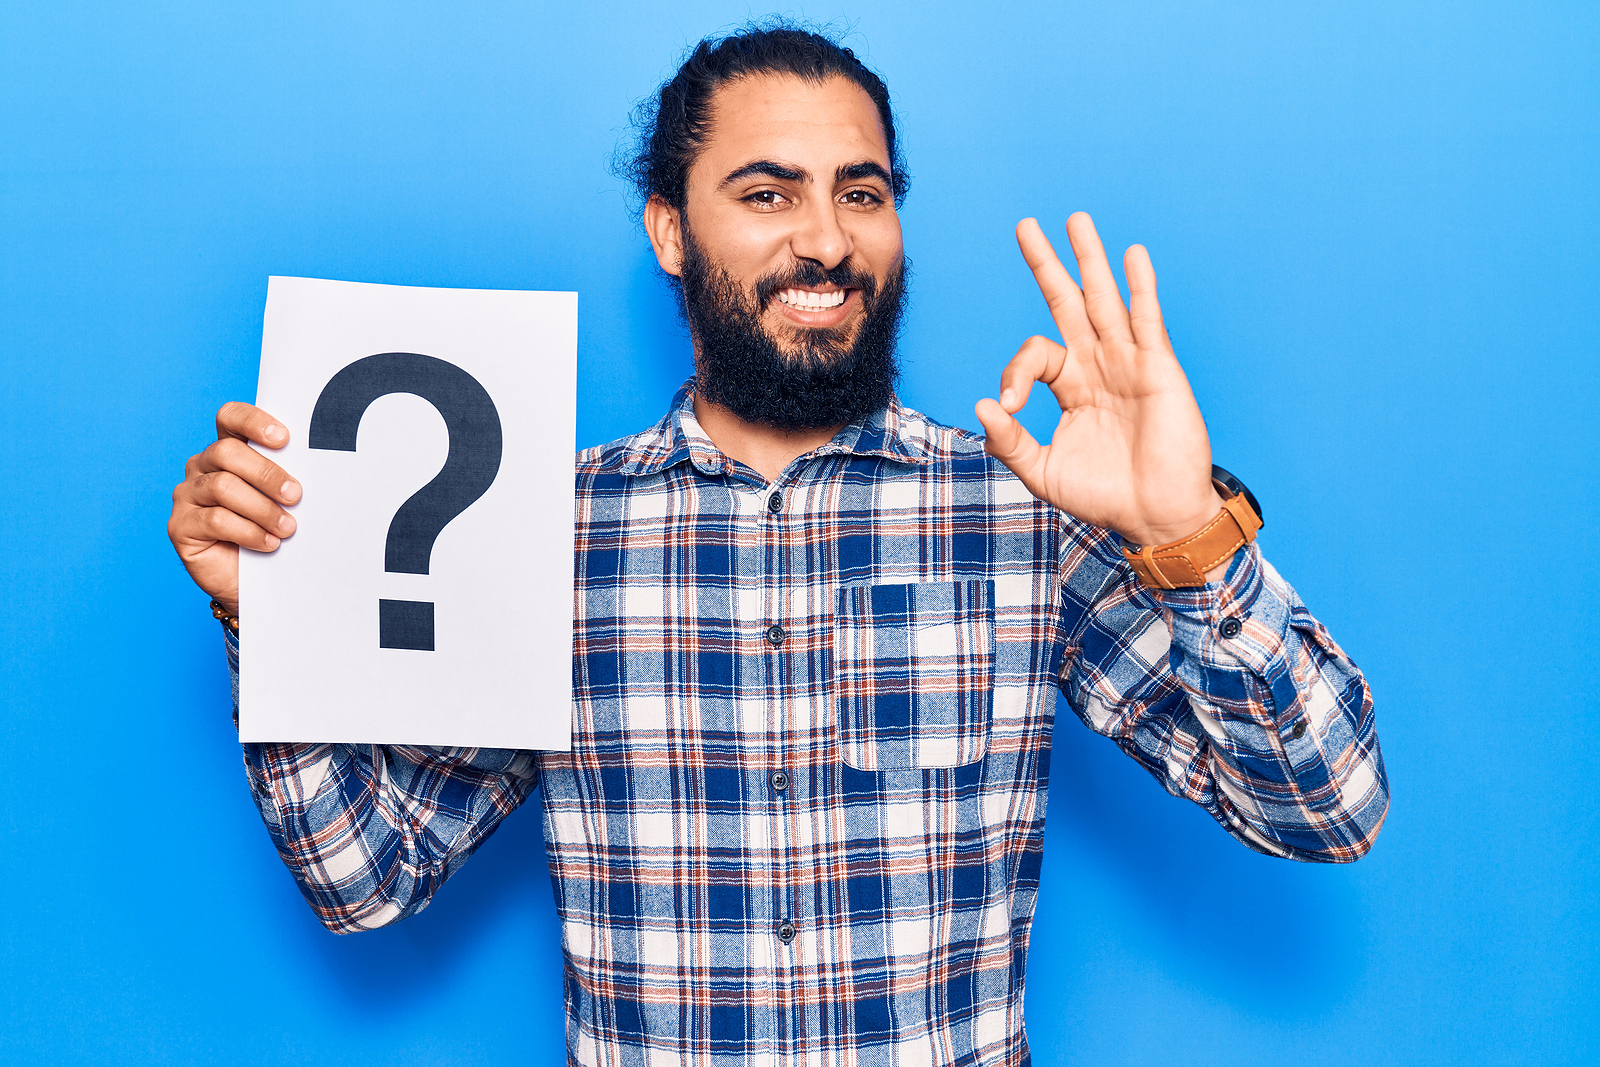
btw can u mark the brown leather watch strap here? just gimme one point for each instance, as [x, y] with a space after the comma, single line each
[1183, 563]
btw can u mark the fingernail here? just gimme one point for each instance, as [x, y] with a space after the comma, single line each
[290, 491]
[1008, 397]
[286, 523]
[274, 433]
[272, 542]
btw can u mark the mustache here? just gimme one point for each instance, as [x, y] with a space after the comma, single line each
[808, 274]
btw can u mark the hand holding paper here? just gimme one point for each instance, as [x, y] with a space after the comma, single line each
[232, 495]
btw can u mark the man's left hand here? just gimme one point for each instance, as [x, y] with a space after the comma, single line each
[1131, 452]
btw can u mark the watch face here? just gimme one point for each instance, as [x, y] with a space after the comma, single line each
[1235, 486]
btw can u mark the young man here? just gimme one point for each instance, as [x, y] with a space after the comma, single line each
[818, 636]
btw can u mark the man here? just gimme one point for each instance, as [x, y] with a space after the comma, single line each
[818, 636]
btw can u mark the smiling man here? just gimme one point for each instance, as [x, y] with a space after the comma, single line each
[819, 637]
[794, 321]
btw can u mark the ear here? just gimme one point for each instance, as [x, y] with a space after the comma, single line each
[665, 227]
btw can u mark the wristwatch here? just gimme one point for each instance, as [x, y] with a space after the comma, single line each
[1183, 563]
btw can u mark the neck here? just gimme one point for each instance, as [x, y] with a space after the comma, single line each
[765, 448]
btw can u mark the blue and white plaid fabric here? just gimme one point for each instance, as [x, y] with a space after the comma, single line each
[802, 818]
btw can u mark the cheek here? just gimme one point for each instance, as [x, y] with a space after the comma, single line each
[881, 247]
[759, 258]
[747, 252]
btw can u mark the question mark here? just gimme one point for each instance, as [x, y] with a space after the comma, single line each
[469, 470]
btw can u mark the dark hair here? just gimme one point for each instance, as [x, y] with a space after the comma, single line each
[670, 127]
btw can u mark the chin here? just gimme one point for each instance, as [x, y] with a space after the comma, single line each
[816, 345]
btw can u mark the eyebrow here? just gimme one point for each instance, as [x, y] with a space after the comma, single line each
[772, 169]
[865, 169]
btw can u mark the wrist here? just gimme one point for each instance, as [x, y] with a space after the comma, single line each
[225, 613]
[1165, 533]
[1202, 555]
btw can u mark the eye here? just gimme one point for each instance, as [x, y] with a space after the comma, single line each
[765, 198]
[861, 198]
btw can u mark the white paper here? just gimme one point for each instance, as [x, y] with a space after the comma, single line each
[499, 576]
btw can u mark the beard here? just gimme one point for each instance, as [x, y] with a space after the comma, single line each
[824, 378]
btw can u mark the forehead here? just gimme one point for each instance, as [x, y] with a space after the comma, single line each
[785, 118]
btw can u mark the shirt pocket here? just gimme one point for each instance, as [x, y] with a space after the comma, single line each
[913, 670]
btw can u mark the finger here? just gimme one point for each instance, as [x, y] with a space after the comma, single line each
[1100, 296]
[1149, 331]
[1008, 440]
[223, 489]
[1061, 293]
[234, 456]
[1038, 360]
[249, 423]
[207, 526]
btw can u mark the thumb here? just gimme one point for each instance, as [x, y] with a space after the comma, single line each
[1008, 440]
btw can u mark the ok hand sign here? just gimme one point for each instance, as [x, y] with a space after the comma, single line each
[1131, 452]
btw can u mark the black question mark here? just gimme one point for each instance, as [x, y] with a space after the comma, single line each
[469, 470]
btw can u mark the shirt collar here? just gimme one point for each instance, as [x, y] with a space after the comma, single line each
[892, 432]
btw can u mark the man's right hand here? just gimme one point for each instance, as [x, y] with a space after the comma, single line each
[232, 495]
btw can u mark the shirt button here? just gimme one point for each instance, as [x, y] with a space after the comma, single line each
[775, 503]
[786, 932]
[1299, 730]
[1230, 627]
[776, 634]
[780, 780]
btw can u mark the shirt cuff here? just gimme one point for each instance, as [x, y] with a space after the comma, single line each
[1241, 621]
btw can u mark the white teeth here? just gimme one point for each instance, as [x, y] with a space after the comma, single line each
[810, 301]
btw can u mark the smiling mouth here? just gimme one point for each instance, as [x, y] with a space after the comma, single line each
[811, 300]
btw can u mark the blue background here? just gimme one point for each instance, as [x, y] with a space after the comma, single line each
[1375, 226]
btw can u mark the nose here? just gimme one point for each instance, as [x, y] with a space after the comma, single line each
[819, 234]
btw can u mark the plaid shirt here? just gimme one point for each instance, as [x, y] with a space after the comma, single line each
[803, 813]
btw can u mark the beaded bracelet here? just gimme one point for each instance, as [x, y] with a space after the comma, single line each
[222, 616]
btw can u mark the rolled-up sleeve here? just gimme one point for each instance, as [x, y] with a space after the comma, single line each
[1233, 695]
